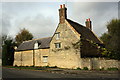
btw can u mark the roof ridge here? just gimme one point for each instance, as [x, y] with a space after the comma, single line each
[36, 39]
[76, 22]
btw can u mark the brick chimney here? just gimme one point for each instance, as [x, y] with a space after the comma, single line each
[62, 13]
[88, 24]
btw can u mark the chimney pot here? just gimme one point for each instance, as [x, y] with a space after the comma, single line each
[88, 24]
[63, 5]
[89, 19]
[60, 6]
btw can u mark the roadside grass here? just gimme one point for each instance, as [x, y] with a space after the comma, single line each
[102, 69]
[22, 67]
[55, 67]
[112, 69]
[31, 67]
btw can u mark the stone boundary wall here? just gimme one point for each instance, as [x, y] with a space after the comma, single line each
[99, 63]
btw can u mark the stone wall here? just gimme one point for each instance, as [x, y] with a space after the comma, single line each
[39, 54]
[25, 58]
[99, 63]
[66, 56]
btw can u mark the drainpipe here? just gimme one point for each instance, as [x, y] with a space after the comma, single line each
[33, 57]
[21, 58]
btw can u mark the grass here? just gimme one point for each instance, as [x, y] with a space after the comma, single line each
[47, 67]
[112, 69]
[21, 67]
[31, 67]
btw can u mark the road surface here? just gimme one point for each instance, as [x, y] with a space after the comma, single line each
[15, 74]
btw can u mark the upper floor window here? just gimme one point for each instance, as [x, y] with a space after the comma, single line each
[57, 35]
[57, 45]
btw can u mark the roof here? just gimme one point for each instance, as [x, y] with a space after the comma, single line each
[29, 45]
[85, 32]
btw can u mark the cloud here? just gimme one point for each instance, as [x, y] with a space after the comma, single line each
[6, 23]
[119, 9]
[40, 26]
[99, 12]
[41, 19]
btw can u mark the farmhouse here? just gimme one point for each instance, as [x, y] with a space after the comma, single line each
[72, 45]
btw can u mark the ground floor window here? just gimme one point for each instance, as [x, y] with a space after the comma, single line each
[45, 59]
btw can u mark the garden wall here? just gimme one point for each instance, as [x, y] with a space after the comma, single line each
[99, 63]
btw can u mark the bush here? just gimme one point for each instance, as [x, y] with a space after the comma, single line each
[85, 68]
[46, 66]
[102, 68]
[78, 68]
[114, 68]
[53, 67]
[16, 66]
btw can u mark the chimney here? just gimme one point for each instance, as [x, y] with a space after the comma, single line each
[62, 13]
[88, 24]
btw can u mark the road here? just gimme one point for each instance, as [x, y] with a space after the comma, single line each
[15, 74]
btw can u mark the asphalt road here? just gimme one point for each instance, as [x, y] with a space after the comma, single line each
[15, 74]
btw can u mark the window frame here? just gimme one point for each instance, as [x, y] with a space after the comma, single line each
[58, 45]
[45, 59]
[57, 35]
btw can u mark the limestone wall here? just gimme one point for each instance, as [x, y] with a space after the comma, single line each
[66, 56]
[17, 59]
[98, 63]
[39, 54]
[25, 58]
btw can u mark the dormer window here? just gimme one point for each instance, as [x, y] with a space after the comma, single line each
[57, 35]
[36, 45]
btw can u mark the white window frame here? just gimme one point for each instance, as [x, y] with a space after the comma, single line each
[57, 35]
[45, 59]
[57, 45]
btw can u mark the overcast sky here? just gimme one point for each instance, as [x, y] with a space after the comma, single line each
[42, 18]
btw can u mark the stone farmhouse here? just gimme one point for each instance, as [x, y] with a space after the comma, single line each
[71, 46]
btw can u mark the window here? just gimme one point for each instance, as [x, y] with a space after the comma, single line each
[45, 59]
[57, 45]
[36, 45]
[57, 35]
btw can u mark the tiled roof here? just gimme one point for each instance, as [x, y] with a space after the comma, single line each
[29, 45]
[85, 32]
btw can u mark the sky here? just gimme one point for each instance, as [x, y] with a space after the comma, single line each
[42, 18]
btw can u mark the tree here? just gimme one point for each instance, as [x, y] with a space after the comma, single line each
[7, 50]
[23, 35]
[111, 38]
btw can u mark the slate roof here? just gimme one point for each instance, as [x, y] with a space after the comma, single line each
[29, 45]
[85, 32]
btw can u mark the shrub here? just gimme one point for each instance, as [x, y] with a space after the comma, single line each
[16, 66]
[78, 68]
[85, 68]
[46, 66]
[114, 68]
[102, 68]
[53, 67]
